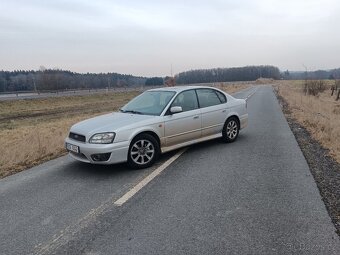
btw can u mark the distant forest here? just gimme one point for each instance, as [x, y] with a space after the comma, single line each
[48, 79]
[247, 73]
[54, 79]
[317, 75]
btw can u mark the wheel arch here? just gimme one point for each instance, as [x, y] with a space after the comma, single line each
[234, 115]
[149, 132]
[133, 162]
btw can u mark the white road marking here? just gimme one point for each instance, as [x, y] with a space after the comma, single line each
[147, 179]
[249, 96]
[65, 235]
[252, 89]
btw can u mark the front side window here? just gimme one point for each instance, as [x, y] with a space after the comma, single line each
[208, 97]
[149, 103]
[187, 100]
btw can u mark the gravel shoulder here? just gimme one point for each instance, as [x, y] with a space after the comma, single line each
[325, 170]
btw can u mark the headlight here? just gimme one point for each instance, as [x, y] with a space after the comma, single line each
[103, 138]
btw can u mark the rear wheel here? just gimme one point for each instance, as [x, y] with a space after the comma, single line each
[230, 130]
[143, 151]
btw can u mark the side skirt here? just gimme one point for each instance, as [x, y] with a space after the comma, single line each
[202, 139]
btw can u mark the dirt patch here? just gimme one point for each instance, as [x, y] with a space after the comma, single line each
[325, 170]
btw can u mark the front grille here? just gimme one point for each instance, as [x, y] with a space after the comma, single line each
[80, 138]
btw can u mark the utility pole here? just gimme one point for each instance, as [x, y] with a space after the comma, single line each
[34, 85]
[108, 82]
[306, 69]
[306, 73]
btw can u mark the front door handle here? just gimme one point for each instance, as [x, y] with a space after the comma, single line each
[196, 117]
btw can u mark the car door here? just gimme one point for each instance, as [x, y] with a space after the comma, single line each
[186, 125]
[213, 106]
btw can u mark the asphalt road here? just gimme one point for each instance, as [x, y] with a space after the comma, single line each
[255, 196]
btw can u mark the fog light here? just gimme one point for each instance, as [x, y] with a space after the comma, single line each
[101, 157]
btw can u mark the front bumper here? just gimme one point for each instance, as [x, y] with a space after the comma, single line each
[119, 151]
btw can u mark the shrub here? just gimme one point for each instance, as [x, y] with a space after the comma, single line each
[314, 87]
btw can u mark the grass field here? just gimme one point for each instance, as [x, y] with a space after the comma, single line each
[319, 114]
[33, 131]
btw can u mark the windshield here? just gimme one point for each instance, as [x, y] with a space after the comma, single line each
[149, 103]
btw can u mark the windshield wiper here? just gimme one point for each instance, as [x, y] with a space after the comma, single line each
[131, 111]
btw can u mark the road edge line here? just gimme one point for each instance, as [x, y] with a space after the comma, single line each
[249, 96]
[123, 199]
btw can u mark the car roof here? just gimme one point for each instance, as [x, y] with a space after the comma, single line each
[180, 88]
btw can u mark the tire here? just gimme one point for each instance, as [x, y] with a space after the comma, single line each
[143, 151]
[231, 130]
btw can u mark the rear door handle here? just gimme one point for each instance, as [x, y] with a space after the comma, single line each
[224, 110]
[196, 117]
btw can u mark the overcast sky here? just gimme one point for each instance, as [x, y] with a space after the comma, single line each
[147, 37]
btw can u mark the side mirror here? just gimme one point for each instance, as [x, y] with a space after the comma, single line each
[176, 109]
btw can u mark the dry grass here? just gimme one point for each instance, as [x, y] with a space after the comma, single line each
[319, 114]
[33, 131]
[233, 87]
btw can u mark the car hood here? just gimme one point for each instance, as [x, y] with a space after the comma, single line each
[108, 123]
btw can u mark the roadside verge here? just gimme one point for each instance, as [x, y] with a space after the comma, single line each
[325, 170]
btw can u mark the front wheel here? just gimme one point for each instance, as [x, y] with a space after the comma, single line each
[230, 130]
[143, 151]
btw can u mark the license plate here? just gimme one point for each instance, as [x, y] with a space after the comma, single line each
[73, 148]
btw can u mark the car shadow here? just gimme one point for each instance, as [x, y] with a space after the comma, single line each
[79, 169]
[218, 143]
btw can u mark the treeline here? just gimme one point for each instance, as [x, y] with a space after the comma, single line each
[51, 79]
[247, 73]
[55, 79]
[310, 75]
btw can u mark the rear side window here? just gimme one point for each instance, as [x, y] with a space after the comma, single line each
[209, 97]
[222, 97]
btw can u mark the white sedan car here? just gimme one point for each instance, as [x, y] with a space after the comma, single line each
[157, 121]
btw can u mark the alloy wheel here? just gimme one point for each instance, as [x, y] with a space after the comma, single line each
[142, 152]
[232, 129]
